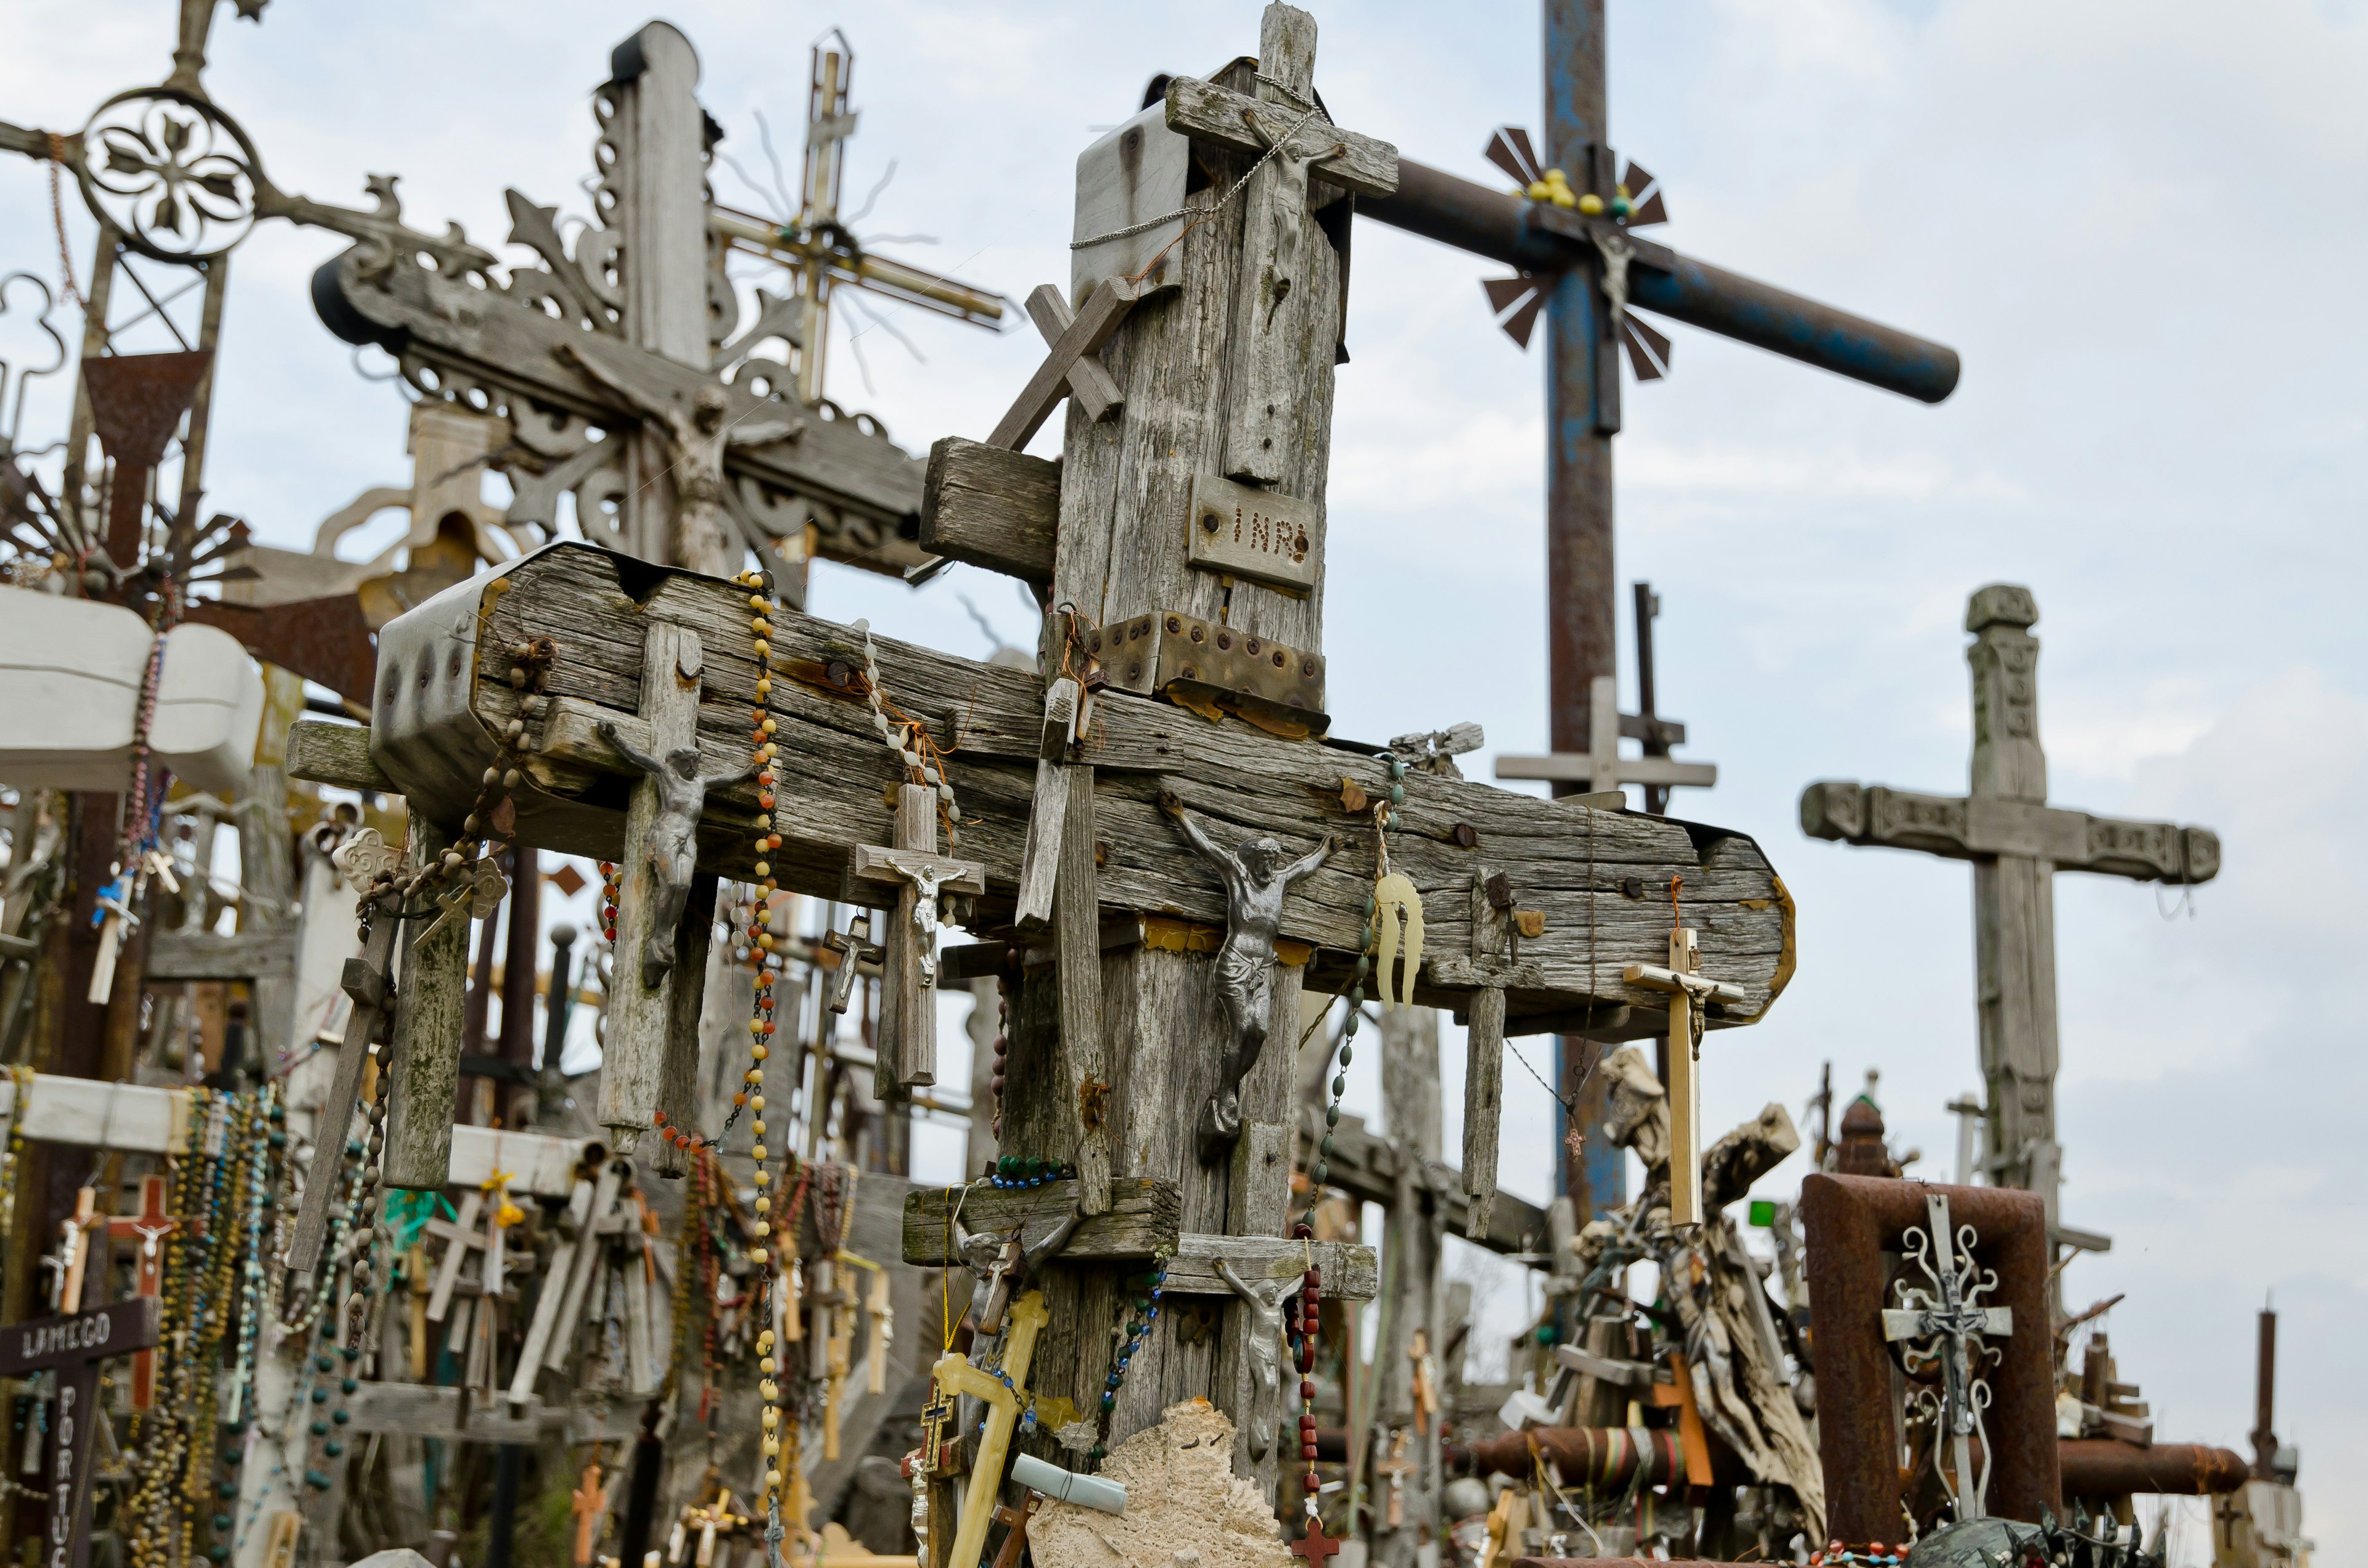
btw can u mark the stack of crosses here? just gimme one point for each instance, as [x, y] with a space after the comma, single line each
[1207, 375]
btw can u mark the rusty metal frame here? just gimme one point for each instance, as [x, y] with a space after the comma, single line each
[1851, 1222]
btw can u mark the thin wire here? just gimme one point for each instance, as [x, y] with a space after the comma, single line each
[58, 215]
[781, 181]
[865, 210]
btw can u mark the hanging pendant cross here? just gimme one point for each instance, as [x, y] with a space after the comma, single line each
[1946, 1324]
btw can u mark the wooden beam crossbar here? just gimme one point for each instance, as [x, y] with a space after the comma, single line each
[1573, 864]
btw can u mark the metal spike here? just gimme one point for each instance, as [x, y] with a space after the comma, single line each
[1645, 191]
[1510, 149]
[1649, 350]
[1521, 322]
[1504, 293]
[1515, 302]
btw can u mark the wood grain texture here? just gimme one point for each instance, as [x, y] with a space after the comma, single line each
[641, 1016]
[1104, 310]
[365, 984]
[1091, 386]
[431, 1009]
[1084, 1073]
[1569, 862]
[1144, 1217]
[1483, 1108]
[991, 508]
[202, 955]
[1127, 483]
[324, 753]
[1208, 112]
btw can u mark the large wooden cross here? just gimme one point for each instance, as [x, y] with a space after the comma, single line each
[1210, 689]
[2017, 843]
[73, 1345]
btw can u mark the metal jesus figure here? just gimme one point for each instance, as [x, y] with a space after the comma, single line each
[1001, 1265]
[1256, 882]
[673, 837]
[696, 439]
[1264, 1344]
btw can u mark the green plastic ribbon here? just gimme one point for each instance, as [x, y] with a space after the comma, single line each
[407, 1214]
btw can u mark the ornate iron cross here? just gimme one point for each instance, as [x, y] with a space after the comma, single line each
[1945, 1324]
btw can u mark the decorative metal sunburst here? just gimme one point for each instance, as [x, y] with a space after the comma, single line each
[1635, 203]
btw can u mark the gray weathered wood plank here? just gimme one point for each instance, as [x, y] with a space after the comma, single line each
[1572, 863]
[430, 1006]
[1144, 1217]
[179, 955]
[1104, 311]
[991, 508]
[1090, 384]
[326, 753]
[1084, 1076]
[1205, 111]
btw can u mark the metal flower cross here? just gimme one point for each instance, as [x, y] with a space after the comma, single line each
[1945, 1325]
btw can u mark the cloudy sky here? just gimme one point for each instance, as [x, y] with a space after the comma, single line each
[2136, 222]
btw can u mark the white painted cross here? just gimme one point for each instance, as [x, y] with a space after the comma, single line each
[1601, 767]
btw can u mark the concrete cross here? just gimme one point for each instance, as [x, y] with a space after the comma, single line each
[2017, 843]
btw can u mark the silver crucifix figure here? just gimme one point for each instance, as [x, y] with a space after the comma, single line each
[1945, 1324]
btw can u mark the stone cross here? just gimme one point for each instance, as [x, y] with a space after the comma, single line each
[908, 1057]
[2017, 843]
[73, 1345]
[1688, 990]
[149, 1228]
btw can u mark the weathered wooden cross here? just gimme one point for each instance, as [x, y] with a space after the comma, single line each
[72, 1346]
[639, 317]
[2017, 843]
[1211, 690]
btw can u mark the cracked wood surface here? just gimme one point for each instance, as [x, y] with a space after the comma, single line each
[833, 775]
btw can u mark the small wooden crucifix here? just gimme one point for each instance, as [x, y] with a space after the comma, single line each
[909, 1059]
[73, 1345]
[149, 1227]
[1688, 990]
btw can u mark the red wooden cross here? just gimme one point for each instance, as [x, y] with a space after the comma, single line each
[1314, 1546]
[149, 1228]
